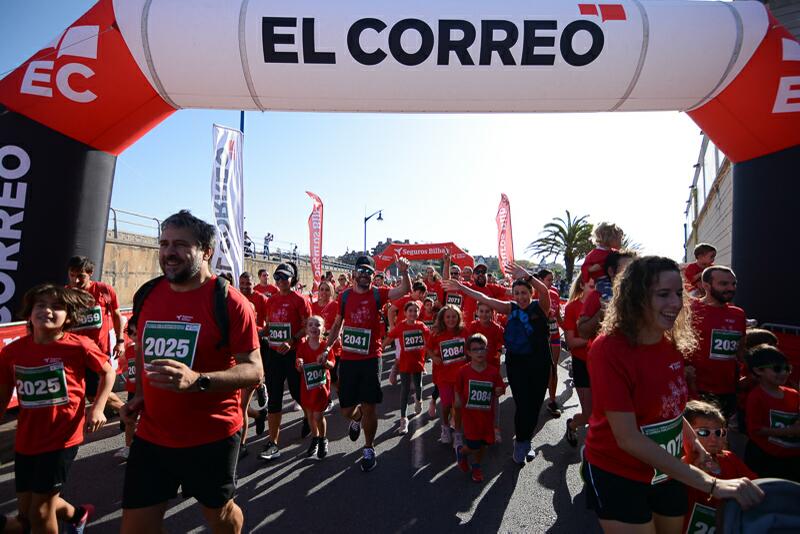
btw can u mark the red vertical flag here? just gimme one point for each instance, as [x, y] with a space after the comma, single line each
[315, 240]
[505, 243]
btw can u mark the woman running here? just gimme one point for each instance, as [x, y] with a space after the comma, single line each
[579, 349]
[528, 357]
[636, 481]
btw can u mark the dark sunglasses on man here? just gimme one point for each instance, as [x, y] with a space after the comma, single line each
[280, 276]
[364, 270]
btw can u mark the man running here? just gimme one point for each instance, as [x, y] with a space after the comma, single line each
[359, 322]
[720, 328]
[97, 322]
[189, 373]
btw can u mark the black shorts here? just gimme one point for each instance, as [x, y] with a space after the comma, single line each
[43, 473]
[359, 382]
[617, 498]
[580, 373]
[280, 368]
[206, 472]
[92, 380]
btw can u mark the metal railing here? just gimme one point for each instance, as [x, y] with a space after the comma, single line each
[115, 221]
[706, 170]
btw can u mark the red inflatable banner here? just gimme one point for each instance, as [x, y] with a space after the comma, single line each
[505, 243]
[433, 251]
[315, 239]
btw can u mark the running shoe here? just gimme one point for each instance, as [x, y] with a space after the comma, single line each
[86, 512]
[306, 430]
[329, 407]
[432, 409]
[322, 450]
[368, 461]
[313, 448]
[418, 407]
[403, 426]
[458, 441]
[477, 474]
[447, 435]
[461, 459]
[519, 452]
[530, 454]
[261, 421]
[498, 436]
[354, 431]
[122, 453]
[555, 411]
[270, 452]
[261, 396]
[571, 435]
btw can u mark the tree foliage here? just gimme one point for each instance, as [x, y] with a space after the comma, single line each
[568, 238]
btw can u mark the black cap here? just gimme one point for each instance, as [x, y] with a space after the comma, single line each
[285, 269]
[365, 261]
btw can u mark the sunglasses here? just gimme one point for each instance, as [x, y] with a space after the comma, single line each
[280, 276]
[364, 270]
[777, 368]
[705, 432]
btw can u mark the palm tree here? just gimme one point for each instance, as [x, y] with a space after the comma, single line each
[569, 238]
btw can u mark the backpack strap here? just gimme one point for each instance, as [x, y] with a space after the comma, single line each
[221, 310]
[141, 294]
[343, 301]
[376, 294]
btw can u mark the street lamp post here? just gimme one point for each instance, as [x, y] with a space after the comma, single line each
[379, 213]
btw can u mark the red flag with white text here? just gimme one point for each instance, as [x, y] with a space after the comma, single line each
[315, 240]
[505, 243]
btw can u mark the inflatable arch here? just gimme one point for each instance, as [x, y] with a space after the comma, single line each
[67, 112]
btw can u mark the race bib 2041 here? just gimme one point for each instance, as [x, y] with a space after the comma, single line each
[170, 340]
[41, 386]
[279, 333]
[669, 436]
[356, 340]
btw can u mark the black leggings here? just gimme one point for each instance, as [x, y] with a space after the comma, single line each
[528, 375]
[279, 368]
[405, 389]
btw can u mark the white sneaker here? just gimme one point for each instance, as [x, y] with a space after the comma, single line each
[122, 453]
[403, 426]
[458, 440]
[418, 407]
[447, 435]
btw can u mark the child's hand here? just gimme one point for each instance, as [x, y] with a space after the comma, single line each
[322, 358]
[300, 363]
[283, 348]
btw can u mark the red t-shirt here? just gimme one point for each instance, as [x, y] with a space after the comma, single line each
[128, 367]
[315, 387]
[412, 338]
[476, 389]
[720, 329]
[765, 411]
[435, 291]
[451, 348]
[571, 312]
[701, 510]
[646, 380]
[259, 302]
[268, 290]
[362, 327]
[286, 316]
[427, 318]
[327, 312]
[181, 325]
[591, 305]
[596, 256]
[470, 307]
[494, 334]
[96, 323]
[50, 388]
[689, 273]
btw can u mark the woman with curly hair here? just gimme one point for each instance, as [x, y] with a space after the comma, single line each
[632, 465]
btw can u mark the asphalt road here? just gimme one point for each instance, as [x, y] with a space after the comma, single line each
[416, 485]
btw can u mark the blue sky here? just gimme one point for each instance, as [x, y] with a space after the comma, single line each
[437, 177]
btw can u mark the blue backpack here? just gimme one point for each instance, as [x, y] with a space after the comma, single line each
[519, 336]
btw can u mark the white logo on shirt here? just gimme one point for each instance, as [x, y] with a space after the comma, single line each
[184, 318]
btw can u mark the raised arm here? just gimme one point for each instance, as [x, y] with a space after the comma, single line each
[544, 294]
[500, 306]
[405, 281]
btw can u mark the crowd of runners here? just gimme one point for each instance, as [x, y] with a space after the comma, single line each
[663, 364]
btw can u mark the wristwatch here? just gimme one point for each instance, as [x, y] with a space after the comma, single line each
[203, 383]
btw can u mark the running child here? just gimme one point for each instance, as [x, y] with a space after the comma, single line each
[493, 332]
[773, 421]
[447, 348]
[704, 256]
[478, 386]
[314, 362]
[48, 367]
[427, 314]
[607, 237]
[708, 424]
[411, 335]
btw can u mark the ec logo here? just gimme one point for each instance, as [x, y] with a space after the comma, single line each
[78, 41]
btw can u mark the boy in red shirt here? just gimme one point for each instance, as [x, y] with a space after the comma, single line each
[48, 367]
[708, 424]
[607, 237]
[773, 417]
[478, 385]
[493, 332]
[704, 255]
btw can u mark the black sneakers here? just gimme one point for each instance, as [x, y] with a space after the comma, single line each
[354, 431]
[270, 452]
[261, 420]
[313, 448]
[571, 435]
[368, 461]
[322, 449]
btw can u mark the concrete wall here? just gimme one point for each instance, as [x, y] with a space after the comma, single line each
[713, 223]
[130, 260]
